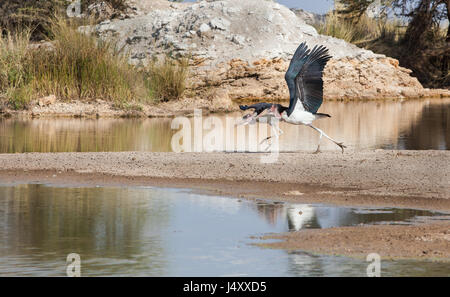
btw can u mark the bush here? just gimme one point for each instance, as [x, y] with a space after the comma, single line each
[79, 66]
[17, 15]
[82, 67]
[15, 77]
[362, 31]
[166, 79]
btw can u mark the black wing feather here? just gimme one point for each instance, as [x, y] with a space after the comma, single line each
[304, 77]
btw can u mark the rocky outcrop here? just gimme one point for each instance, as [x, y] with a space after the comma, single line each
[309, 17]
[373, 79]
[346, 78]
[241, 49]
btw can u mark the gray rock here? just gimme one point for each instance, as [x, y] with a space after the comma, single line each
[204, 28]
[222, 30]
[220, 24]
[238, 39]
[309, 17]
[139, 56]
[244, 47]
[100, 10]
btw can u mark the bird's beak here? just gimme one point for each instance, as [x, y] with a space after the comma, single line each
[245, 120]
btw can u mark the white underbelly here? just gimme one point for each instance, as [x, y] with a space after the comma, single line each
[300, 117]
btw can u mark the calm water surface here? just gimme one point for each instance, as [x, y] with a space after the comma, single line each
[410, 124]
[165, 232]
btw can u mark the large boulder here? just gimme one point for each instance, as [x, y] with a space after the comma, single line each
[244, 48]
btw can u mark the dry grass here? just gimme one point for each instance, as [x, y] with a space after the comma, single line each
[80, 67]
[166, 79]
[15, 77]
[16, 15]
[365, 30]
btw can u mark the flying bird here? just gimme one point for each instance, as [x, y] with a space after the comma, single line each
[305, 83]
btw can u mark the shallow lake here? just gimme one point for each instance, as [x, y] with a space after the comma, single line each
[408, 124]
[166, 232]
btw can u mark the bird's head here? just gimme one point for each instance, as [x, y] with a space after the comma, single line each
[277, 110]
[274, 111]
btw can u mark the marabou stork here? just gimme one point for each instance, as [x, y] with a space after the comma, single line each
[305, 83]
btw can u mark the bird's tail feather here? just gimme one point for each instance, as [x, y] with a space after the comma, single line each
[322, 115]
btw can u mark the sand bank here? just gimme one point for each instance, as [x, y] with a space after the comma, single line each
[412, 179]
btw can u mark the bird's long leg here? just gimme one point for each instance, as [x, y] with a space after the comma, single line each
[269, 138]
[318, 145]
[340, 144]
[280, 131]
[276, 132]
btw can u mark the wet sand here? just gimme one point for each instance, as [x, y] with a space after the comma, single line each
[401, 175]
[413, 179]
[428, 241]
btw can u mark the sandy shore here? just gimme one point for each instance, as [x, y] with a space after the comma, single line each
[411, 179]
[104, 109]
[429, 241]
[417, 178]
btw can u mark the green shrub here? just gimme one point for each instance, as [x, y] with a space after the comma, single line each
[17, 15]
[82, 67]
[77, 66]
[15, 77]
[166, 79]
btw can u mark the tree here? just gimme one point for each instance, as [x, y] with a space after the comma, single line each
[423, 15]
[425, 49]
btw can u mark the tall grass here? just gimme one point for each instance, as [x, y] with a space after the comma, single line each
[337, 27]
[15, 15]
[80, 67]
[15, 76]
[166, 79]
[359, 32]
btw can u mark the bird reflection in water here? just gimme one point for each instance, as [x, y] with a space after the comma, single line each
[302, 216]
[271, 212]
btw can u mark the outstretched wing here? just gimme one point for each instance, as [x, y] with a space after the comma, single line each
[304, 77]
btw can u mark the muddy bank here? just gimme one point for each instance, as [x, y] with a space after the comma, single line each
[428, 241]
[282, 192]
[104, 109]
[411, 179]
[407, 178]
